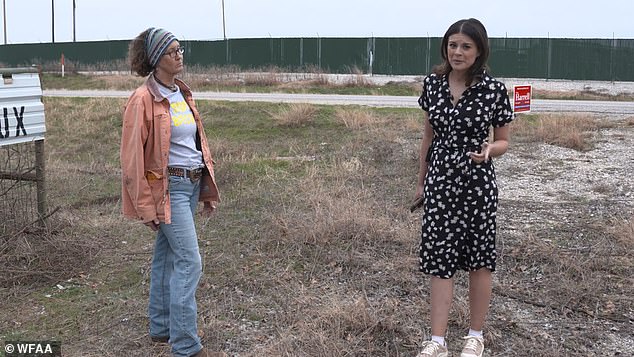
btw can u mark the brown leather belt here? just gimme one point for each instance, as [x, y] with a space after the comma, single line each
[193, 175]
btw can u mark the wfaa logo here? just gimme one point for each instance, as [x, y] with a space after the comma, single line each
[32, 349]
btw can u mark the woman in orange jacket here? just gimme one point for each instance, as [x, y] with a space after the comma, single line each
[167, 169]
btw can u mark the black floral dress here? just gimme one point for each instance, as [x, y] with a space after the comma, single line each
[458, 226]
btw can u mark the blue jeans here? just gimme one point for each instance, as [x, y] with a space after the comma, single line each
[176, 269]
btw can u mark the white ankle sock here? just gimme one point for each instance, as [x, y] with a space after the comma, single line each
[475, 333]
[439, 340]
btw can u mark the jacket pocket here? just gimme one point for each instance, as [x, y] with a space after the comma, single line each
[155, 181]
[159, 117]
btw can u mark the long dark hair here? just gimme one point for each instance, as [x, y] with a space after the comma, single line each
[137, 56]
[476, 31]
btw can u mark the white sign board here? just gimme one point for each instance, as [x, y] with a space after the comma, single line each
[21, 107]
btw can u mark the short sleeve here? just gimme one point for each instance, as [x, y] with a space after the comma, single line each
[423, 100]
[503, 113]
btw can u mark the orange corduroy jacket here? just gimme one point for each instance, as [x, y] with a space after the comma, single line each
[145, 143]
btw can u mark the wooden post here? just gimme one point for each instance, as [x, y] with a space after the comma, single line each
[41, 181]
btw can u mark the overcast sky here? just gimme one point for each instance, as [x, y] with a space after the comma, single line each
[30, 21]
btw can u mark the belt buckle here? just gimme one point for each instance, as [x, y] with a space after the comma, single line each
[195, 175]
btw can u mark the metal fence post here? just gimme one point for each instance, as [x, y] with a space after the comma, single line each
[612, 49]
[319, 51]
[550, 50]
[428, 57]
[301, 52]
[370, 53]
[227, 59]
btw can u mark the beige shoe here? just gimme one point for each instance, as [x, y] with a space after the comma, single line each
[433, 349]
[474, 347]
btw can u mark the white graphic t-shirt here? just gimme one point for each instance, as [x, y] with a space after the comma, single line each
[183, 152]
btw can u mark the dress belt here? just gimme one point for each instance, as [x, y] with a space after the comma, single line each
[463, 162]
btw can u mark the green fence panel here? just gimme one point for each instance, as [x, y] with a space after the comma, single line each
[518, 57]
[623, 60]
[310, 52]
[205, 53]
[290, 53]
[94, 52]
[412, 56]
[84, 52]
[250, 53]
[580, 59]
[344, 55]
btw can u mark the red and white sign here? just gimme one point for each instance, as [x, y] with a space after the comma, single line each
[522, 99]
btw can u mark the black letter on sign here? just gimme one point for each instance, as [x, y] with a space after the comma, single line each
[20, 119]
[6, 125]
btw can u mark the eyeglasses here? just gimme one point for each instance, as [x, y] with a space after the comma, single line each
[172, 53]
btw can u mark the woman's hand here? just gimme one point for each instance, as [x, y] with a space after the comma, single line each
[495, 149]
[208, 209]
[482, 156]
[153, 224]
[419, 191]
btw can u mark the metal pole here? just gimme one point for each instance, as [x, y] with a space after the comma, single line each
[74, 35]
[301, 52]
[368, 46]
[53, 20]
[319, 51]
[612, 48]
[550, 51]
[428, 57]
[4, 17]
[224, 32]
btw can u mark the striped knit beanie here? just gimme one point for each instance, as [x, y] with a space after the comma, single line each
[156, 43]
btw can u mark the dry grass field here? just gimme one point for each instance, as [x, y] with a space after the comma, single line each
[313, 252]
[274, 80]
[221, 80]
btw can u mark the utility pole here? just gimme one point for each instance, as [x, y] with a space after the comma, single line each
[74, 37]
[224, 32]
[4, 17]
[53, 20]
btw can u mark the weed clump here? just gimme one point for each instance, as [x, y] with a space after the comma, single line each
[296, 115]
[571, 131]
[356, 118]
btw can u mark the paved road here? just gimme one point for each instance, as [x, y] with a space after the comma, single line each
[538, 105]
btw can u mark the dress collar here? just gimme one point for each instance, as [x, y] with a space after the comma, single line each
[482, 81]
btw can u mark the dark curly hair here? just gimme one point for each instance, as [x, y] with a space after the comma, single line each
[137, 56]
[476, 31]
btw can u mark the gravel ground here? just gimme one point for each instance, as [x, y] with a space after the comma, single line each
[560, 196]
[613, 88]
[605, 87]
